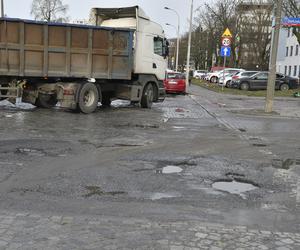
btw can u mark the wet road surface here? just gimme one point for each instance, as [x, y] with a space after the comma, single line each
[154, 172]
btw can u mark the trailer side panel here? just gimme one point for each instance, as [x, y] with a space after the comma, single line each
[38, 49]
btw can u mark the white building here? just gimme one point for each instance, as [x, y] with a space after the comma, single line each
[288, 58]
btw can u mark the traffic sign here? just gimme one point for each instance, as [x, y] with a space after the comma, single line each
[226, 42]
[225, 51]
[227, 33]
[291, 21]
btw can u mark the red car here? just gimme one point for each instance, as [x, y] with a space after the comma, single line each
[175, 83]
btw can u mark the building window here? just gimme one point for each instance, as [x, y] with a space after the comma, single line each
[297, 50]
[288, 34]
[290, 70]
[285, 70]
[291, 51]
[299, 72]
[287, 51]
[295, 70]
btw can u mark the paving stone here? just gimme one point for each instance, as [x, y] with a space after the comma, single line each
[201, 235]
[287, 241]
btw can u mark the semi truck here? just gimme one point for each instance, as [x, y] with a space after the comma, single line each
[121, 54]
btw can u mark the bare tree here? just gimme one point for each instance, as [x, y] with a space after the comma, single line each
[292, 9]
[49, 10]
[255, 20]
[210, 23]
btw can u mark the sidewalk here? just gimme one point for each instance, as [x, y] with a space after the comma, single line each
[288, 107]
[33, 231]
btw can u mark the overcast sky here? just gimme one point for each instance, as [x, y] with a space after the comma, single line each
[79, 9]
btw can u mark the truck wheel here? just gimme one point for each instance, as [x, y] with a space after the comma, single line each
[46, 101]
[106, 100]
[88, 98]
[147, 97]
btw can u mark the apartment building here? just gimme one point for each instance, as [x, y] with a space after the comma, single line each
[288, 59]
[255, 29]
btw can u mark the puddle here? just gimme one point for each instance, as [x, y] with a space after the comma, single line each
[285, 164]
[159, 196]
[169, 170]
[179, 110]
[30, 151]
[234, 187]
[95, 190]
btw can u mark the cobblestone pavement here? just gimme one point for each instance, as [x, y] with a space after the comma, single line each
[33, 231]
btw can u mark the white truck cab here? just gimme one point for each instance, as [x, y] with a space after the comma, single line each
[150, 44]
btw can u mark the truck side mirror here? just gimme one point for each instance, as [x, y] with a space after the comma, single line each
[166, 48]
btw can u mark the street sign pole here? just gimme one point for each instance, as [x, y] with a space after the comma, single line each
[274, 50]
[224, 65]
[225, 50]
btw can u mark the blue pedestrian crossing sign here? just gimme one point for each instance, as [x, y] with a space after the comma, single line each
[225, 51]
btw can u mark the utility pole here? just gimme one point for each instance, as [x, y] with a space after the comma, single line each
[274, 50]
[189, 47]
[2, 8]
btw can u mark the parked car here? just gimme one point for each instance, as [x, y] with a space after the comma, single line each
[225, 82]
[199, 74]
[238, 76]
[175, 82]
[208, 75]
[214, 77]
[259, 81]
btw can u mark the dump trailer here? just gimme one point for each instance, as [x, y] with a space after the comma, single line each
[82, 65]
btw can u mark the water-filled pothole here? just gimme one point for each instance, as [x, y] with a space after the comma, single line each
[31, 151]
[234, 187]
[169, 170]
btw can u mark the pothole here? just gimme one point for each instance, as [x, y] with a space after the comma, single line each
[159, 196]
[169, 170]
[234, 186]
[242, 130]
[285, 164]
[95, 190]
[31, 151]
[234, 175]
[259, 145]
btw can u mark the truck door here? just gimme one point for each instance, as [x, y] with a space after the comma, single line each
[159, 55]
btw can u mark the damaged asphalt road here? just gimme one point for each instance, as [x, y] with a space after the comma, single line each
[186, 160]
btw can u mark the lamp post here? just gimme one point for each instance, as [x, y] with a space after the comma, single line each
[178, 35]
[173, 26]
[189, 47]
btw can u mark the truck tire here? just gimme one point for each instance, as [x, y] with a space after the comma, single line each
[88, 98]
[147, 97]
[46, 101]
